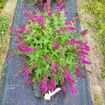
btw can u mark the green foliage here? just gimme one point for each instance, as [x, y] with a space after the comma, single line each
[3, 26]
[2, 3]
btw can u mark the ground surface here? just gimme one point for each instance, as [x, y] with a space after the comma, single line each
[8, 10]
[96, 57]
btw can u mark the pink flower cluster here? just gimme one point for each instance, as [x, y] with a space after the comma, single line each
[26, 72]
[49, 13]
[52, 86]
[70, 80]
[44, 85]
[77, 72]
[25, 48]
[84, 61]
[58, 31]
[56, 45]
[53, 67]
[46, 58]
[74, 41]
[68, 28]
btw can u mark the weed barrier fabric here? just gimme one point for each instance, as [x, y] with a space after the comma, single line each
[13, 91]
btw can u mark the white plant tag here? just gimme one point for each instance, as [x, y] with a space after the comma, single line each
[48, 96]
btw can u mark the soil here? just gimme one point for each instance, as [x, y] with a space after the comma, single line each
[95, 56]
[8, 10]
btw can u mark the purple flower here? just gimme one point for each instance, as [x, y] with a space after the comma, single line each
[68, 76]
[74, 41]
[67, 23]
[72, 28]
[52, 82]
[56, 45]
[46, 58]
[41, 81]
[58, 31]
[66, 12]
[52, 69]
[9, 58]
[26, 73]
[52, 87]
[56, 65]
[11, 28]
[84, 61]
[29, 49]
[45, 6]
[64, 89]
[28, 30]
[83, 34]
[83, 52]
[41, 1]
[77, 74]
[86, 46]
[37, 10]
[44, 88]
[73, 89]
[23, 9]
[77, 69]
[49, 13]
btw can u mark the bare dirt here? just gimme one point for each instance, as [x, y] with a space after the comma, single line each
[95, 56]
[8, 10]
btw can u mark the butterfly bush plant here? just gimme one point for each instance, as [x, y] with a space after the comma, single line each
[53, 49]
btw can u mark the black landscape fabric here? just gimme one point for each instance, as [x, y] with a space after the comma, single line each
[13, 91]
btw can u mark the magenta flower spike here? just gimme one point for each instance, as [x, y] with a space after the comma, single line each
[67, 23]
[74, 41]
[52, 82]
[86, 46]
[45, 6]
[72, 28]
[46, 58]
[23, 9]
[84, 61]
[66, 12]
[58, 31]
[53, 69]
[28, 31]
[52, 87]
[77, 74]
[37, 10]
[73, 89]
[64, 89]
[26, 13]
[41, 1]
[56, 65]
[49, 13]
[83, 34]
[29, 49]
[22, 29]
[44, 86]
[77, 69]
[83, 52]
[56, 45]
[26, 72]
[11, 28]
[9, 58]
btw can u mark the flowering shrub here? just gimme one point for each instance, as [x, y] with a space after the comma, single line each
[52, 48]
